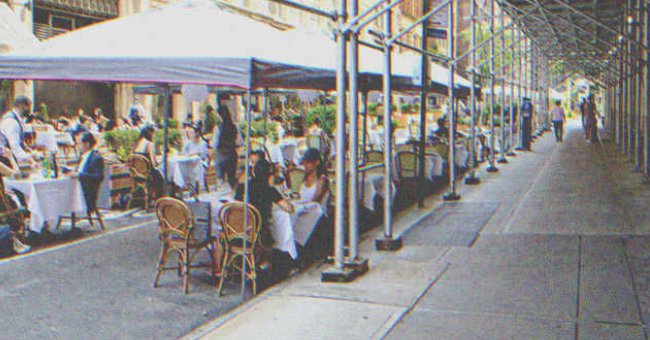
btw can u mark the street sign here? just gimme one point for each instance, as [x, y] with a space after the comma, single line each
[436, 33]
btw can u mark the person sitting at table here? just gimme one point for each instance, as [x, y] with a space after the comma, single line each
[145, 147]
[90, 169]
[195, 145]
[314, 128]
[99, 120]
[315, 186]
[12, 130]
[263, 196]
[312, 204]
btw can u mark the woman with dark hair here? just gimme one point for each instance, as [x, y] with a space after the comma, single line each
[226, 136]
[265, 197]
[316, 185]
[145, 147]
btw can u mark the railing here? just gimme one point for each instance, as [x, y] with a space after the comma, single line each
[44, 31]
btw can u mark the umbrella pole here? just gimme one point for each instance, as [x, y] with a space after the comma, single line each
[168, 112]
[423, 110]
[246, 193]
[451, 195]
[472, 178]
[266, 114]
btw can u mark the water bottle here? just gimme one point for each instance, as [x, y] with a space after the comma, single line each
[45, 171]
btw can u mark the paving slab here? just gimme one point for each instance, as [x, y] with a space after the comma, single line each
[544, 291]
[423, 324]
[280, 317]
[597, 331]
[606, 290]
[397, 283]
[519, 250]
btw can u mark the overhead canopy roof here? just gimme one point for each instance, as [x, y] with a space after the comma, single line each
[160, 46]
[14, 34]
[577, 33]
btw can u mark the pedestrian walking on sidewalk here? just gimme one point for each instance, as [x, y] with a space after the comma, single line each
[583, 117]
[591, 120]
[558, 117]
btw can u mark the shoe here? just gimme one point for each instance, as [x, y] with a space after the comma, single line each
[19, 247]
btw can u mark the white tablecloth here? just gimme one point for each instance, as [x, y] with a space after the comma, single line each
[433, 164]
[376, 139]
[462, 155]
[374, 185]
[184, 170]
[64, 138]
[282, 227]
[47, 199]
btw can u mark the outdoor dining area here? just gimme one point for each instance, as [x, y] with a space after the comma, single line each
[257, 188]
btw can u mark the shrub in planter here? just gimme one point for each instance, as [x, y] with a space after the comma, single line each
[326, 114]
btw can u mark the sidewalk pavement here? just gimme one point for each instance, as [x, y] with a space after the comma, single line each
[555, 245]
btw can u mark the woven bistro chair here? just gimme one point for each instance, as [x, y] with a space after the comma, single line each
[178, 234]
[140, 171]
[235, 236]
[11, 214]
[374, 157]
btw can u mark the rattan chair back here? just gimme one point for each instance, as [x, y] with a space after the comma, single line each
[407, 164]
[175, 218]
[233, 220]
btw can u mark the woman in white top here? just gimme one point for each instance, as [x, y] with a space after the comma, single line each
[315, 186]
[195, 145]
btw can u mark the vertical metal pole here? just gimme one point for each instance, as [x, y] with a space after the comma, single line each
[531, 65]
[471, 177]
[502, 158]
[388, 242]
[520, 61]
[341, 87]
[492, 167]
[364, 113]
[423, 109]
[451, 195]
[621, 100]
[638, 18]
[646, 107]
[512, 97]
[246, 193]
[353, 204]
[168, 113]
[266, 114]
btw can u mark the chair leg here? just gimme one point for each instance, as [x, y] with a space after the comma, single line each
[222, 275]
[186, 270]
[213, 262]
[58, 223]
[161, 262]
[253, 274]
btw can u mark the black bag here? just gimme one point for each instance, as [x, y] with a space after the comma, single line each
[6, 242]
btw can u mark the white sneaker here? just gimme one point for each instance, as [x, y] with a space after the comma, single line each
[21, 248]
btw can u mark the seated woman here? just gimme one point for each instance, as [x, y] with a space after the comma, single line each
[263, 197]
[315, 186]
[145, 147]
[313, 232]
[195, 145]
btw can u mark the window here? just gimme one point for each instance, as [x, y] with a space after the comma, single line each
[62, 22]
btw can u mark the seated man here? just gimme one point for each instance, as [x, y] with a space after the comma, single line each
[90, 170]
